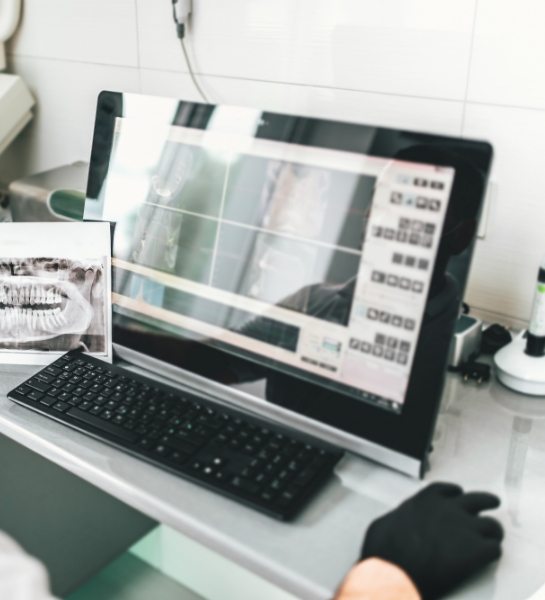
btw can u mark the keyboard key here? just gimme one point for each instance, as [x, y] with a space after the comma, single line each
[73, 400]
[305, 476]
[260, 478]
[268, 496]
[284, 475]
[101, 425]
[53, 370]
[245, 485]
[61, 406]
[154, 433]
[162, 450]
[277, 459]
[181, 445]
[285, 499]
[190, 437]
[48, 400]
[45, 377]
[23, 390]
[179, 457]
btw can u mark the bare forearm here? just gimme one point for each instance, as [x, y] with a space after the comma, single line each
[375, 579]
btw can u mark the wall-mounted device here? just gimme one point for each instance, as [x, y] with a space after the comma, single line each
[15, 98]
[181, 12]
[521, 364]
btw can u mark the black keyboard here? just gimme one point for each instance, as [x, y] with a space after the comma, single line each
[263, 465]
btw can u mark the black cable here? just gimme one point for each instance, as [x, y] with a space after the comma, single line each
[473, 370]
[180, 32]
[191, 73]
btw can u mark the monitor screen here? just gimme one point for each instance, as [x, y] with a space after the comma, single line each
[310, 254]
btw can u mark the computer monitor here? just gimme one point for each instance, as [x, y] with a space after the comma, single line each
[305, 263]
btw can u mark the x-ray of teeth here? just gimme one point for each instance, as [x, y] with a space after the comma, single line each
[51, 304]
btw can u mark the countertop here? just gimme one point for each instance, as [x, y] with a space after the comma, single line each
[487, 438]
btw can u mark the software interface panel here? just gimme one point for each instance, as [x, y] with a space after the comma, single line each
[312, 260]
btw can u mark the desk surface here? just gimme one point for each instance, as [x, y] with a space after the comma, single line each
[486, 438]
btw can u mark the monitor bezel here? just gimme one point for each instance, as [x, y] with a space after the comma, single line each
[406, 435]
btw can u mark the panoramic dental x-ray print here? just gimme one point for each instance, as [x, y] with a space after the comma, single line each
[52, 304]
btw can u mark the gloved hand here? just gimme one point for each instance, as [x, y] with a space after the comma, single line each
[437, 537]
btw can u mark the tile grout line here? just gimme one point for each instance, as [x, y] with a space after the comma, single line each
[138, 61]
[469, 64]
[462, 101]
[242, 78]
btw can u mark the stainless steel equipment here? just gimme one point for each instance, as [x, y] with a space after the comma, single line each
[54, 195]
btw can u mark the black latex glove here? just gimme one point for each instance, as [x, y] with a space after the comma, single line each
[437, 537]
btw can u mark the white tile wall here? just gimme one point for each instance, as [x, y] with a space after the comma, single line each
[416, 48]
[506, 263]
[420, 64]
[101, 31]
[508, 63]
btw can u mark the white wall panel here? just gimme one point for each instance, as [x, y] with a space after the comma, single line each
[99, 31]
[506, 261]
[66, 94]
[508, 65]
[377, 109]
[399, 63]
[408, 47]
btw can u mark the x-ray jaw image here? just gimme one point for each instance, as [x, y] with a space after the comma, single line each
[51, 304]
